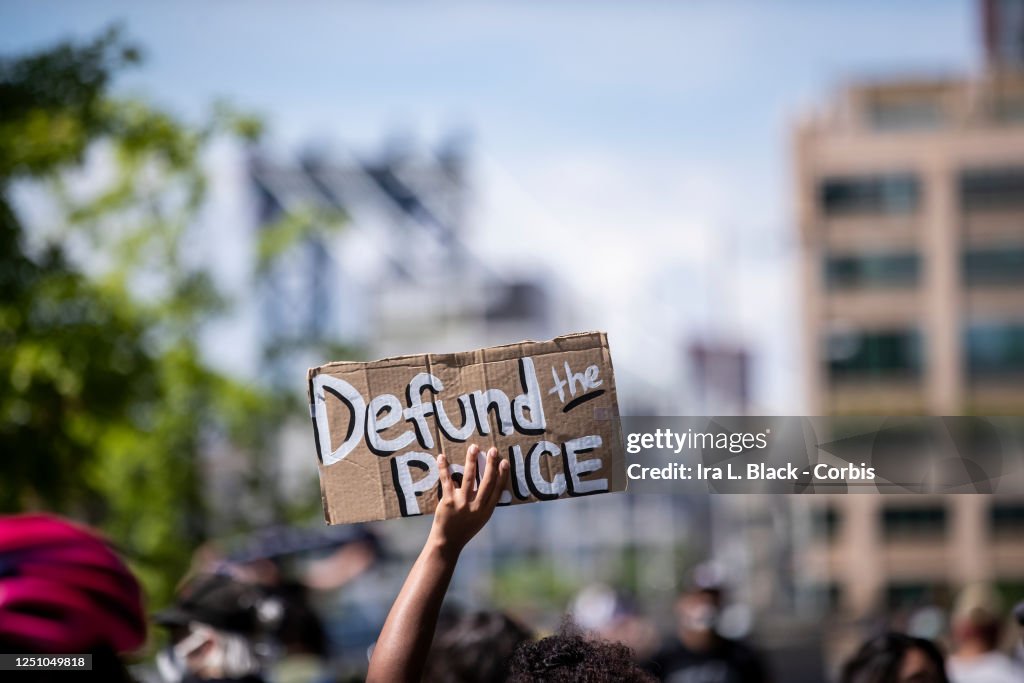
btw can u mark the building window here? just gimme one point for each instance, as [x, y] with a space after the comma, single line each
[872, 270]
[913, 522]
[994, 266]
[1012, 592]
[1007, 520]
[826, 595]
[879, 194]
[995, 348]
[825, 522]
[1009, 110]
[992, 188]
[854, 355]
[908, 595]
[902, 115]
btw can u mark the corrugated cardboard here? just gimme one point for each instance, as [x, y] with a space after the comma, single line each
[549, 407]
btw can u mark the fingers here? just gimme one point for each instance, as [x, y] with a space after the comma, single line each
[447, 487]
[469, 473]
[489, 480]
[502, 470]
[503, 473]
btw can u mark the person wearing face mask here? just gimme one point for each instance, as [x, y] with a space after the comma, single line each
[698, 653]
[217, 626]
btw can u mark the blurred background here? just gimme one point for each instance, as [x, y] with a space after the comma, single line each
[786, 208]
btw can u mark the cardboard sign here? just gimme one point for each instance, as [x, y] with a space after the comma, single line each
[549, 407]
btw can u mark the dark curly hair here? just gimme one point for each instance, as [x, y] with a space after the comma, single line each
[879, 659]
[474, 647]
[569, 657]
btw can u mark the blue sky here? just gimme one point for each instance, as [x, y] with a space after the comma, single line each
[635, 74]
[644, 130]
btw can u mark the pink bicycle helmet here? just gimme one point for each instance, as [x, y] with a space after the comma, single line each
[62, 589]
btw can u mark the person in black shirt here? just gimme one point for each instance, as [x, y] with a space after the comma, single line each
[698, 653]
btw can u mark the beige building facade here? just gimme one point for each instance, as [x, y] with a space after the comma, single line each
[910, 205]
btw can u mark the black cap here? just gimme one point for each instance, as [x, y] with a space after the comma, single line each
[216, 600]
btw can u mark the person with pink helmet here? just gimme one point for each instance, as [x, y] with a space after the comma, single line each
[63, 590]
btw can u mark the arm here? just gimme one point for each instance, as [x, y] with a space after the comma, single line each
[404, 642]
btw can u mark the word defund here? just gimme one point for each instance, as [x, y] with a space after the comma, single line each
[523, 414]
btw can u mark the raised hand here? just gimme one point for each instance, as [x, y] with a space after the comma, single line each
[463, 510]
[404, 642]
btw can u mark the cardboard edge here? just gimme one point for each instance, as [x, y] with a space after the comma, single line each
[616, 419]
[564, 342]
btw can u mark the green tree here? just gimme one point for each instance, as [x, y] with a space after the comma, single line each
[108, 406]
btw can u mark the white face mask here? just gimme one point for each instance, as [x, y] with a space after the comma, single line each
[170, 668]
[700, 617]
[228, 655]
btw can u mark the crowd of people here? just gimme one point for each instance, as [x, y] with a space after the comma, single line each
[63, 589]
